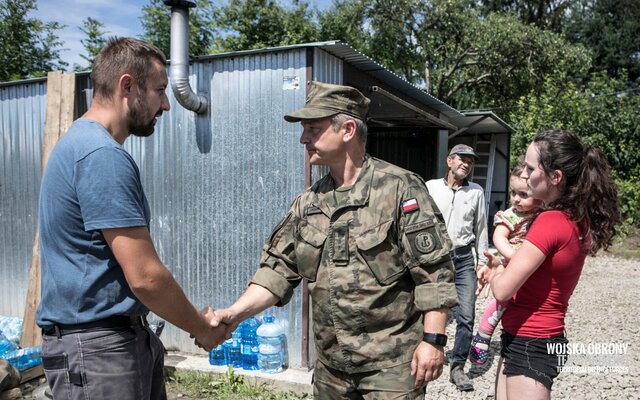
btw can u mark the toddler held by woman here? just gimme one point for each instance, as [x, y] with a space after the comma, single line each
[511, 228]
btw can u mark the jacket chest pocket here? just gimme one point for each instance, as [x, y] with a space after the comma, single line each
[377, 248]
[309, 245]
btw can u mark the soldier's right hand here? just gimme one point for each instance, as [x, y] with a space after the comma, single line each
[215, 332]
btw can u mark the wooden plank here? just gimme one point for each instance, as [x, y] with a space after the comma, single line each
[67, 103]
[58, 119]
[52, 115]
[31, 373]
[31, 335]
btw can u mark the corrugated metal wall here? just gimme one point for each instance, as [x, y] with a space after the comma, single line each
[216, 192]
[22, 109]
[327, 68]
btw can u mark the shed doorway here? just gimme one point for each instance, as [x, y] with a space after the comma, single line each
[411, 149]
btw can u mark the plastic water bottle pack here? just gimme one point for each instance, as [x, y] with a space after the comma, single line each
[250, 348]
[218, 356]
[229, 352]
[234, 349]
[6, 346]
[26, 358]
[253, 346]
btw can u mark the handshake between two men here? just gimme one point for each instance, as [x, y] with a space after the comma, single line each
[219, 331]
[223, 322]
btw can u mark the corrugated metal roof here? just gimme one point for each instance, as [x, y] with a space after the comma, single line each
[489, 122]
[347, 53]
[364, 63]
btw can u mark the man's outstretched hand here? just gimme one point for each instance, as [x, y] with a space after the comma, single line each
[217, 331]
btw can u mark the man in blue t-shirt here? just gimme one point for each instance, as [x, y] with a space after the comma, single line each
[100, 272]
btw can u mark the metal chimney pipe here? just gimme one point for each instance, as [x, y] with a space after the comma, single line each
[179, 68]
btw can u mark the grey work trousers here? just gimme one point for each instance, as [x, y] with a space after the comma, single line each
[121, 363]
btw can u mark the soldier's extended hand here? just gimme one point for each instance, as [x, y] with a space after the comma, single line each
[224, 316]
[217, 333]
[427, 363]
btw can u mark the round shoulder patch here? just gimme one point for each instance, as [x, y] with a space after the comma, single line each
[425, 242]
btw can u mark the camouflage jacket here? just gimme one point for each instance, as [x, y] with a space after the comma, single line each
[374, 263]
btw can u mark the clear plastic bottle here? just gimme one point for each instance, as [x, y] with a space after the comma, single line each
[6, 346]
[217, 356]
[234, 350]
[26, 358]
[157, 326]
[270, 356]
[11, 328]
[285, 353]
[250, 348]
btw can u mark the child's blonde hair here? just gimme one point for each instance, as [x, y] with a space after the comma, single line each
[517, 170]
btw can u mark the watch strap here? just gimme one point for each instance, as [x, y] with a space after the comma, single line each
[438, 339]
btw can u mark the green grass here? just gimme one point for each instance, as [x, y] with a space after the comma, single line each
[199, 385]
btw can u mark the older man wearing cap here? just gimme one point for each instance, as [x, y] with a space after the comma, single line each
[375, 251]
[463, 206]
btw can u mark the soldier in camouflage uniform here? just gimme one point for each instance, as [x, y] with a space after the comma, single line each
[375, 251]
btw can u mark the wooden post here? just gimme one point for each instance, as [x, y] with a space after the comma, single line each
[61, 88]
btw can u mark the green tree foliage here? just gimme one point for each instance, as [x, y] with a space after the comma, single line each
[514, 59]
[387, 31]
[545, 14]
[464, 58]
[346, 21]
[252, 24]
[611, 29]
[93, 43]
[604, 111]
[28, 46]
[156, 26]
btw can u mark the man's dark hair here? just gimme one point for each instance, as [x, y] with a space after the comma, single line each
[123, 56]
[361, 127]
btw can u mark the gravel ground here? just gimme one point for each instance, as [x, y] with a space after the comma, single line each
[603, 311]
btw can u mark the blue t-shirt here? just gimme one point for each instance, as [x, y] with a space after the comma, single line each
[90, 183]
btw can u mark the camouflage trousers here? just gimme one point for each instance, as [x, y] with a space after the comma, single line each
[385, 384]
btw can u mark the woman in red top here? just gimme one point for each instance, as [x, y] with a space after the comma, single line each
[578, 217]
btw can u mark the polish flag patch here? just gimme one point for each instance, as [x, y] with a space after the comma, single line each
[410, 205]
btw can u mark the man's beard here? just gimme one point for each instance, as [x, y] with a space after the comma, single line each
[136, 119]
[460, 176]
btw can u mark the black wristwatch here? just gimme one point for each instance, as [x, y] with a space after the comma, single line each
[435, 338]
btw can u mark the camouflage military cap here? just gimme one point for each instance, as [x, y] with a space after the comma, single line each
[326, 100]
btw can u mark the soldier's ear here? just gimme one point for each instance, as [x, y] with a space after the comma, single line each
[350, 130]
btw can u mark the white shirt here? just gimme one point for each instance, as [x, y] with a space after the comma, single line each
[464, 212]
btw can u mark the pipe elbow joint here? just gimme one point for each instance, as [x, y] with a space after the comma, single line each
[186, 97]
